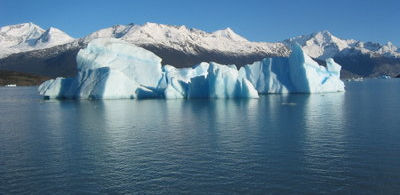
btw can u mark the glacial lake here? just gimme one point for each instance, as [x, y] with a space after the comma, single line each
[320, 143]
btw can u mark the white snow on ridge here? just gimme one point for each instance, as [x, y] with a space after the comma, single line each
[113, 69]
[28, 36]
[323, 45]
[186, 40]
[52, 37]
[19, 34]
[376, 49]
[320, 45]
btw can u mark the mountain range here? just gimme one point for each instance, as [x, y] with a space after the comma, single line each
[28, 48]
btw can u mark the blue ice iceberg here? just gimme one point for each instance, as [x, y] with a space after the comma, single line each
[107, 69]
[114, 69]
[206, 80]
[297, 74]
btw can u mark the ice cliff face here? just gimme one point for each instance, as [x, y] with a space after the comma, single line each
[113, 69]
[108, 69]
[296, 74]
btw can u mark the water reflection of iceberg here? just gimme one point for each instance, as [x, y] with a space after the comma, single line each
[324, 136]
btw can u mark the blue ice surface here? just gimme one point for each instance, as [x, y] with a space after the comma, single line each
[114, 69]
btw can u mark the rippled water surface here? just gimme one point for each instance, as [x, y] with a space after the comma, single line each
[334, 143]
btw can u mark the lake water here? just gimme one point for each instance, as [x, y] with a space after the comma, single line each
[321, 143]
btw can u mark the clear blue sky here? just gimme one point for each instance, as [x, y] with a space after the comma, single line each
[257, 20]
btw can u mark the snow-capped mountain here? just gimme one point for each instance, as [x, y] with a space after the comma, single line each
[52, 52]
[375, 49]
[28, 36]
[19, 34]
[320, 45]
[188, 40]
[323, 45]
[52, 37]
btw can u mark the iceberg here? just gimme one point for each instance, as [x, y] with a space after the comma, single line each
[298, 73]
[114, 69]
[108, 69]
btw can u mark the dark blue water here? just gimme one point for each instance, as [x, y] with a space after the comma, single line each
[322, 143]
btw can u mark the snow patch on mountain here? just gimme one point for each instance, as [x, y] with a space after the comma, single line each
[320, 45]
[375, 49]
[19, 34]
[188, 40]
[323, 45]
[52, 37]
[28, 36]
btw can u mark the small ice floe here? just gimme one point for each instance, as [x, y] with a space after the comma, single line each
[11, 85]
[359, 79]
[384, 77]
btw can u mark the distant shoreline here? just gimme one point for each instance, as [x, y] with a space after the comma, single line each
[20, 79]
